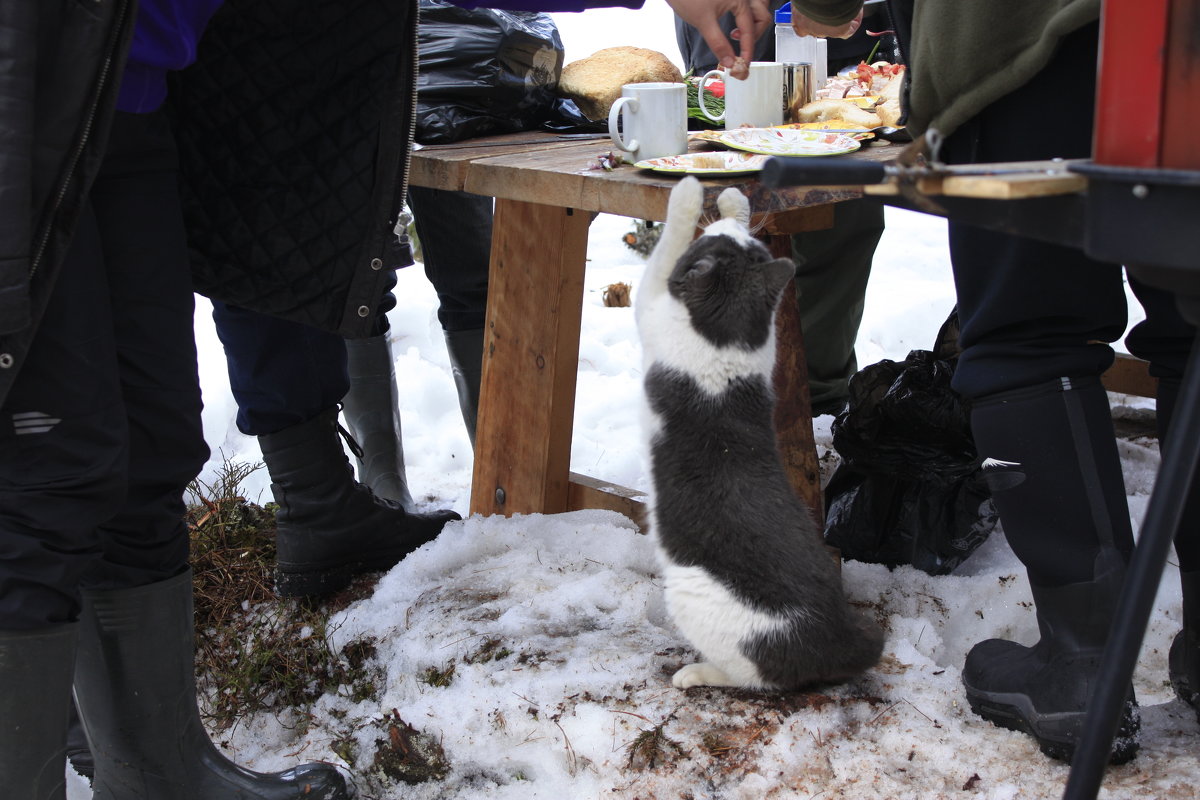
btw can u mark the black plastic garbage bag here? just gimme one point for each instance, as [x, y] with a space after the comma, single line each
[484, 71]
[909, 489]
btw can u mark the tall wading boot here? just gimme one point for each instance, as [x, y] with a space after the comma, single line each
[136, 689]
[36, 670]
[1183, 662]
[79, 752]
[372, 413]
[466, 362]
[330, 527]
[1050, 458]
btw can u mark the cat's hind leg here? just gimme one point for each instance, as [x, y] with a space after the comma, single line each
[704, 673]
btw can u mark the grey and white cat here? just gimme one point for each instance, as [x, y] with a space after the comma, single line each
[748, 579]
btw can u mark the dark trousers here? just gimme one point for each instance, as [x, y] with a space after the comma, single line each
[284, 373]
[101, 432]
[1033, 313]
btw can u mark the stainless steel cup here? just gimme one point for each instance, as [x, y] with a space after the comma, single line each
[798, 88]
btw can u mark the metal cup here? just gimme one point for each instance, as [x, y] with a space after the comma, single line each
[798, 88]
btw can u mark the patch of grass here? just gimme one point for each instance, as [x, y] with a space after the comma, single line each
[490, 650]
[406, 754]
[439, 677]
[652, 747]
[255, 651]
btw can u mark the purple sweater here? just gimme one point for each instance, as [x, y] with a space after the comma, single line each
[167, 32]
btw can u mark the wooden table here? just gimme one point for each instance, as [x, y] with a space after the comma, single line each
[547, 193]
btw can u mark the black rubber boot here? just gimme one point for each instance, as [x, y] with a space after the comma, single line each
[466, 361]
[79, 752]
[35, 689]
[1044, 690]
[136, 689]
[1184, 659]
[372, 413]
[1050, 459]
[330, 527]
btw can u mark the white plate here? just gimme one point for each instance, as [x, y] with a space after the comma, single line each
[789, 142]
[715, 163]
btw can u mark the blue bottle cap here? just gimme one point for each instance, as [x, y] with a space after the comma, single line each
[784, 14]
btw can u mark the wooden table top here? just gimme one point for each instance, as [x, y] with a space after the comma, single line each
[539, 167]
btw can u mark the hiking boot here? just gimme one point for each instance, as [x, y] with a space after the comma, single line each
[330, 527]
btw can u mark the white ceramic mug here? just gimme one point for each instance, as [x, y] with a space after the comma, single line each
[655, 120]
[756, 101]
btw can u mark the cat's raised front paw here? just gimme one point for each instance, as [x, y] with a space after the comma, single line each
[702, 674]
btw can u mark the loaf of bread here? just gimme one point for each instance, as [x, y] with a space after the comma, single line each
[595, 82]
[821, 110]
[889, 109]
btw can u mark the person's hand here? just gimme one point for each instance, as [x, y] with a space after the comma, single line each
[751, 16]
[807, 27]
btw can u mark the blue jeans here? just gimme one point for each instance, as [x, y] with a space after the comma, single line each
[284, 373]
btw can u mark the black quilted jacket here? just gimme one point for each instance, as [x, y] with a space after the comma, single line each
[294, 128]
[62, 59]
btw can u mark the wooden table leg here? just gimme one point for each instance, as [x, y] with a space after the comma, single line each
[530, 359]
[793, 409]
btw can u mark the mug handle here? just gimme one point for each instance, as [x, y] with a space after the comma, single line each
[614, 114]
[712, 73]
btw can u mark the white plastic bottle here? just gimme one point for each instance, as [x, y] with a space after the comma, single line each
[800, 49]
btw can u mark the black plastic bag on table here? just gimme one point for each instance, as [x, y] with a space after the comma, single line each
[909, 489]
[484, 71]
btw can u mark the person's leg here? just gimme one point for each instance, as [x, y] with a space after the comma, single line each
[455, 229]
[281, 373]
[832, 268]
[288, 379]
[1164, 339]
[1036, 322]
[61, 474]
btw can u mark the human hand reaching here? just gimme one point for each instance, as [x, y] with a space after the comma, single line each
[751, 17]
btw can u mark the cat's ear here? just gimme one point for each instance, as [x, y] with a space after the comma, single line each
[778, 273]
[734, 205]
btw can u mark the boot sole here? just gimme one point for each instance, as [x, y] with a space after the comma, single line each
[298, 580]
[1055, 733]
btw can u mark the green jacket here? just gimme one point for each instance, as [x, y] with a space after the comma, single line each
[965, 54]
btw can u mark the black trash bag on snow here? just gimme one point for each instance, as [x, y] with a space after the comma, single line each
[909, 489]
[484, 71]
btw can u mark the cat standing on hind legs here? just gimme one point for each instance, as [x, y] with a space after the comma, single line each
[748, 579]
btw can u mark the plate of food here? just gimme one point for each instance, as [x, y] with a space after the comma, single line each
[715, 164]
[789, 142]
[851, 129]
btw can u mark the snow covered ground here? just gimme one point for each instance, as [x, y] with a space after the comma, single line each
[556, 630]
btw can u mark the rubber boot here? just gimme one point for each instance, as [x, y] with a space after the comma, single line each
[79, 752]
[1043, 690]
[329, 527]
[136, 689]
[35, 689]
[466, 362]
[372, 413]
[1183, 662]
[1050, 459]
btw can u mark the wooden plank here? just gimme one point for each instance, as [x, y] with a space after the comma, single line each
[566, 177]
[1129, 375]
[1038, 179]
[445, 166]
[586, 492]
[530, 359]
